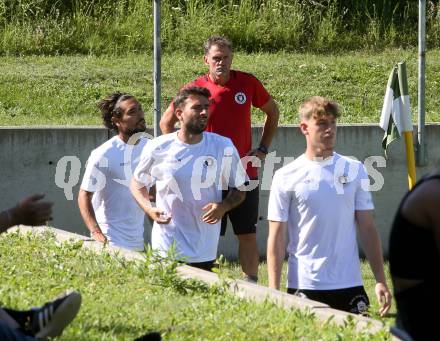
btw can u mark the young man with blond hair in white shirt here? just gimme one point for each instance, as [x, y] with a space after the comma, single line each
[320, 199]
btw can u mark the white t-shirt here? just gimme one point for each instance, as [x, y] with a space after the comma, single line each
[318, 200]
[108, 174]
[187, 177]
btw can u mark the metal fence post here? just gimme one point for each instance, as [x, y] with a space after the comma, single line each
[157, 68]
[421, 144]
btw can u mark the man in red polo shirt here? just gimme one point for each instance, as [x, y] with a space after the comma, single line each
[232, 95]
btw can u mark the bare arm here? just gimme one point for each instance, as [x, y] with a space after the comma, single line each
[141, 195]
[276, 250]
[270, 123]
[29, 211]
[88, 215]
[371, 245]
[269, 128]
[168, 121]
[216, 211]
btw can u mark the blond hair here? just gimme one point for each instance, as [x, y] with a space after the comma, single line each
[318, 106]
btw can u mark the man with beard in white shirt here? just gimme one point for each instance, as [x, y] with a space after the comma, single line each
[320, 199]
[105, 202]
[189, 167]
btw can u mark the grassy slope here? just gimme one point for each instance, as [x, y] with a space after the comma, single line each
[368, 278]
[64, 90]
[121, 301]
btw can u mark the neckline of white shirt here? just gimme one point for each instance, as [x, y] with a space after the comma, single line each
[121, 142]
[319, 161]
[188, 145]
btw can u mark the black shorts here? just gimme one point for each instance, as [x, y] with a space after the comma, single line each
[244, 217]
[353, 300]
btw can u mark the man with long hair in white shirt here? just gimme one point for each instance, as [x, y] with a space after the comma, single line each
[104, 200]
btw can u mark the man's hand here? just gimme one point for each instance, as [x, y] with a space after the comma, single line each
[99, 236]
[213, 213]
[258, 153]
[32, 211]
[383, 296]
[158, 215]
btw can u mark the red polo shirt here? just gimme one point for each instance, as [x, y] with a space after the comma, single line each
[230, 109]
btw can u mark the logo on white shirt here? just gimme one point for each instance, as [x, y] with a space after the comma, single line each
[240, 98]
[343, 179]
[209, 161]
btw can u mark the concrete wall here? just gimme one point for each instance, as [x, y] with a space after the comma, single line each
[30, 156]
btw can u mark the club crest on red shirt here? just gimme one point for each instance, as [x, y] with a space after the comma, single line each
[240, 98]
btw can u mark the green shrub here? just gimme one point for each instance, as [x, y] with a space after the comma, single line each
[117, 27]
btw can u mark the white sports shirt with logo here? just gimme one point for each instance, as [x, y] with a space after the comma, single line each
[187, 177]
[318, 201]
[108, 174]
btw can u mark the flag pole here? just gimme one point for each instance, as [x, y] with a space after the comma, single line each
[407, 133]
[410, 162]
[157, 68]
[421, 144]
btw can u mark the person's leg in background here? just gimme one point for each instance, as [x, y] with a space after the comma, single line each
[244, 220]
[8, 333]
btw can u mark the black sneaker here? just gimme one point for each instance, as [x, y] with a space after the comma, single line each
[51, 319]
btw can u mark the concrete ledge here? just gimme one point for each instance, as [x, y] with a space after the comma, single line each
[259, 293]
[240, 288]
[52, 160]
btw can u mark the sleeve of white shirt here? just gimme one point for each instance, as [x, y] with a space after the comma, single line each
[279, 200]
[94, 176]
[238, 175]
[142, 173]
[363, 198]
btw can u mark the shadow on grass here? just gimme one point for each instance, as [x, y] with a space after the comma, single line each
[143, 334]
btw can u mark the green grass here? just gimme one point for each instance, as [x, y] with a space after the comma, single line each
[123, 300]
[63, 90]
[234, 271]
[99, 27]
